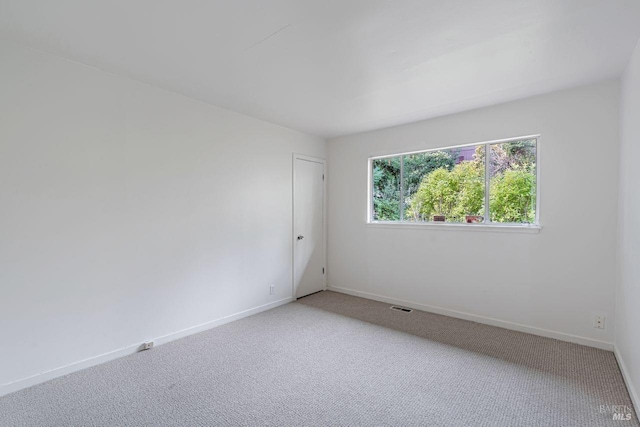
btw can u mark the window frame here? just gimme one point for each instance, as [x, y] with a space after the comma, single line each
[486, 224]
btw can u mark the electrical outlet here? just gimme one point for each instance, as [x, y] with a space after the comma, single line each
[272, 289]
[146, 346]
[598, 321]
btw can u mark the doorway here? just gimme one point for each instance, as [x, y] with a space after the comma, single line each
[309, 266]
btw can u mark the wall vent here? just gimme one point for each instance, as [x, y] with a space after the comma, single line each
[398, 308]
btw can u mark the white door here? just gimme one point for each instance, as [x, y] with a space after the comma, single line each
[308, 226]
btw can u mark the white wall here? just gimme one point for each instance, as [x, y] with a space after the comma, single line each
[628, 292]
[549, 283]
[129, 213]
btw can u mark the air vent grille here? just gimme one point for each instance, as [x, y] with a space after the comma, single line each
[403, 309]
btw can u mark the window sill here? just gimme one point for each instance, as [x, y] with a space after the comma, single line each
[499, 228]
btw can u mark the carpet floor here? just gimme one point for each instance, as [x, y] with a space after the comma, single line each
[332, 359]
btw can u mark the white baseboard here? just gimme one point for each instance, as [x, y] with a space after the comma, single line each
[627, 380]
[125, 351]
[479, 319]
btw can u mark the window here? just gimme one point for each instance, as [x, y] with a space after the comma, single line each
[458, 185]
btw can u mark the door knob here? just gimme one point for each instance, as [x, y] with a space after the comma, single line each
[300, 237]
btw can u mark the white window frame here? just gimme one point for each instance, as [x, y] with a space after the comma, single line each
[486, 225]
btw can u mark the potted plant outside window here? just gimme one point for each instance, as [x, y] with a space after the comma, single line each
[472, 219]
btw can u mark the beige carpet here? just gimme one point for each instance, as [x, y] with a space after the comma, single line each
[332, 359]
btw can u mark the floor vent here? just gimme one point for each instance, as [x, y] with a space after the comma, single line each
[397, 308]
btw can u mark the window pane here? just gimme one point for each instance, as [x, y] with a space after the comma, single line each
[512, 193]
[386, 189]
[445, 185]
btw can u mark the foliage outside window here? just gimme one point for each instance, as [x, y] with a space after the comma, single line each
[450, 185]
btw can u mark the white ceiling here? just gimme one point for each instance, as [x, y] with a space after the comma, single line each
[333, 67]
